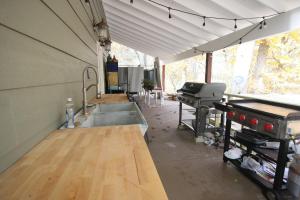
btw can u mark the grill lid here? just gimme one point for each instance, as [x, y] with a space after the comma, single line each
[203, 90]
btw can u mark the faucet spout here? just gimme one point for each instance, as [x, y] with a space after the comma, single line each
[85, 89]
[91, 86]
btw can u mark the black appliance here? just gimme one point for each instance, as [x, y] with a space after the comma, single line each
[200, 96]
[277, 122]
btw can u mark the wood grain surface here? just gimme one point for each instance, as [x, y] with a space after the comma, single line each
[110, 98]
[107, 163]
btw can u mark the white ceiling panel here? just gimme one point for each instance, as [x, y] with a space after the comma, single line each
[146, 27]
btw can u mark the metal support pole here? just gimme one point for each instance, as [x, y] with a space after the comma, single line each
[163, 77]
[227, 139]
[197, 123]
[208, 67]
[180, 113]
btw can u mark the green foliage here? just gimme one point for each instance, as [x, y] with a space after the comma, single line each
[148, 84]
[275, 66]
[280, 71]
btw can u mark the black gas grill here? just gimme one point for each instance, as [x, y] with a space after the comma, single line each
[200, 94]
[202, 97]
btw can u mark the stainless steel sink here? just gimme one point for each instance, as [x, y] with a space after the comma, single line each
[116, 114]
[116, 107]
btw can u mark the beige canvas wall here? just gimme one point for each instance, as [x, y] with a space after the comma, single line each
[44, 46]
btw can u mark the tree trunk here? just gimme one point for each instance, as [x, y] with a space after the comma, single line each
[255, 85]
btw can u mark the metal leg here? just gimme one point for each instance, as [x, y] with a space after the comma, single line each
[227, 138]
[162, 99]
[202, 121]
[222, 120]
[197, 123]
[180, 113]
[149, 98]
[281, 163]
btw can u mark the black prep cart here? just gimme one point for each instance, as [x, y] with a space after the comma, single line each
[272, 121]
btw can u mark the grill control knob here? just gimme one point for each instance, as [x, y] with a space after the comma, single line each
[254, 122]
[268, 127]
[230, 114]
[242, 117]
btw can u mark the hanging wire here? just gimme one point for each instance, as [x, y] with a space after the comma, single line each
[259, 25]
[212, 17]
[89, 3]
[240, 38]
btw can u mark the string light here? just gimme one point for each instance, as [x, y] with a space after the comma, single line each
[235, 26]
[196, 50]
[264, 22]
[212, 17]
[260, 25]
[244, 35]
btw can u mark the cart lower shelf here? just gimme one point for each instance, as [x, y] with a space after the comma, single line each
[253, 176]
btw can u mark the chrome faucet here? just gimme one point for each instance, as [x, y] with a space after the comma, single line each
[85, 89]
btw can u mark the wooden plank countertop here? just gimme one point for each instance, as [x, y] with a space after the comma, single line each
[111, 98]
[107, 163]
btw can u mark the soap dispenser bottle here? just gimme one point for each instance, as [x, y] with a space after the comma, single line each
[70, 113]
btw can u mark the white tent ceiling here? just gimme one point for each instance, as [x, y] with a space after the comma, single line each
[145, 26]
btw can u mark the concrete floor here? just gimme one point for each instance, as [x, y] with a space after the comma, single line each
[192, 171]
